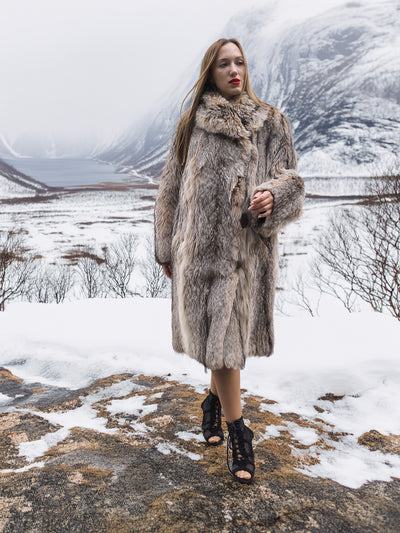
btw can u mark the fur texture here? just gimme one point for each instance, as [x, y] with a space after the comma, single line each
[224, 259]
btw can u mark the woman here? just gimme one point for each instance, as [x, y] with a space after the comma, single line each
[228, 187]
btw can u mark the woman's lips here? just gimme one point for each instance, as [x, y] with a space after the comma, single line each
[235, 81]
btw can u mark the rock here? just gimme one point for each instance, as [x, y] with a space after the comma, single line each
[331, 397]
[384, 443]
[143, 466]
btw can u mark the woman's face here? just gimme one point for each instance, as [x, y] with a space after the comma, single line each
[228, 71]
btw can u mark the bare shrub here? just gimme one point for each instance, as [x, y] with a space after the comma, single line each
[361, 247]
[302, 295]
[51, 283]
[90, 272]
[119, 263]
[156, 282]
[16, 267]
[333, 284]
[62, 282]
[40, 289]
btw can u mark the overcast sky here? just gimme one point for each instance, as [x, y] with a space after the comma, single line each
[93, 65]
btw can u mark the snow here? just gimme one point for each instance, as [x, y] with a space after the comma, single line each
[354, 355]
[9, 189]
[4, 399]
[306, 436]
[38, 464]
[352, 465]
[274, 431]
[166, 448]
[133, 406]
[36, 448]
[189, 435]
[93, 218]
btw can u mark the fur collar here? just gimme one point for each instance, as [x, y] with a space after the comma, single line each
[238, 118]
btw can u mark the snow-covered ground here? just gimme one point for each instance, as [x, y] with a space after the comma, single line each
[55, 227]
[9, 189]
[350, 355]
[86, 218]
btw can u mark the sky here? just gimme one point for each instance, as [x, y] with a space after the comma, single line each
[92, 67]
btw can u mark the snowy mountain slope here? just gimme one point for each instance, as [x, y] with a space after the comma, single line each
[15, 184]
[6, 149]
[145, 146]
[48, 145]
[335, 75]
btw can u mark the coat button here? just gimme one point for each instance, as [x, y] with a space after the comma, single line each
[244, 220]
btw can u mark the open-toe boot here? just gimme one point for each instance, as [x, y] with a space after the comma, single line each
[211, 424]
[240, 455]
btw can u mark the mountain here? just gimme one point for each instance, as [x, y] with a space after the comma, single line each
[6, 148]
[49, 145]
[15, 184]
[336, 75]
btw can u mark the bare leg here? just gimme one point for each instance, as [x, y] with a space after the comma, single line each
[213, 387]
[227, 384]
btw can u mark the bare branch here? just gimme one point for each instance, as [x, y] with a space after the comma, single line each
[119, 263]
[361, 248]
[16, 267]
[156, 282]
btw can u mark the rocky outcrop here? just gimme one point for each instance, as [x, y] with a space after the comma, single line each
[125, 454]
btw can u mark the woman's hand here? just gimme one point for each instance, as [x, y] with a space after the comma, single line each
[262, 204]
[167, 268]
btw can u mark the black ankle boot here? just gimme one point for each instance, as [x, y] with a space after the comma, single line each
[211, 424]
[240, 443]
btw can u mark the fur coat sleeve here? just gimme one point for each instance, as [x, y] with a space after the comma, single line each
[285, 185]
[167, 200]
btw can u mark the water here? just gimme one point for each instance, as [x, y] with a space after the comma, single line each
[67, 172]
[75, 172]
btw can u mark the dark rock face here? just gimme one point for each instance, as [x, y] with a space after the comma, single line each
[146, 469]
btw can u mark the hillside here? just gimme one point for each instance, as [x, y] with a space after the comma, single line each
[14, 184]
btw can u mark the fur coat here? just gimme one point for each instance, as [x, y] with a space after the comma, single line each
[224, 259]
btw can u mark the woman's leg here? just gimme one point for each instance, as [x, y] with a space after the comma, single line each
[226, 381]
[227, 387]
[213, 387]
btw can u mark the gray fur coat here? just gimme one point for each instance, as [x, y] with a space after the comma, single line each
[224, 259]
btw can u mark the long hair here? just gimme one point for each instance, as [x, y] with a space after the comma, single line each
[186, 123]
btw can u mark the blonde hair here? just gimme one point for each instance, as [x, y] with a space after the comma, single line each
[186, 123]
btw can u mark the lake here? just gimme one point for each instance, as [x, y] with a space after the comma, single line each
[67, 172]
[75, 172]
